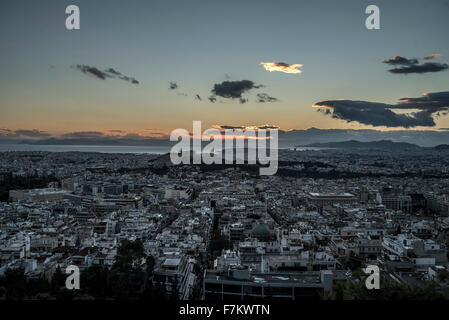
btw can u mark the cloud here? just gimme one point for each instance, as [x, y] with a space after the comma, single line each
[233, 89]
[129, 79]
[198, 97]
[32, 133]
[173, 85]
[21, 133]
[434, 101]
[282, 67]
[433, 56]
[422, 68]
[212, 99]
[229, 127]
[93, 71]
[408, 66]
[113, 71]
[83, 134]
[104, 74]
[381, 114]
[398, 60]
[263, 97]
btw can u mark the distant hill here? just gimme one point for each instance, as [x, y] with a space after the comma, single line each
[442, 147]
[354, 144]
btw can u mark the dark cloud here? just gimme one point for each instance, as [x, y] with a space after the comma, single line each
[234, 89]
[263, 97]
[421, 68]
[433, 101]
[225, 127]
[408, 66]
[381, 114]
[398, 60]
[113, 71]
[173, 86]
[129, 79]
[267, 126]
[198, 97]
[104, 74]
[93, 71]
[212, 99]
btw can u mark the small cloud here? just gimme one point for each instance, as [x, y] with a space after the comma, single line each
[398, 60]
[261, 127]
[212, 99]
[198, 97]
[104, 74]
[433, 56]
[115, 72]
[129, 79]
[233, 89]
[173, 85]
[282, 67]
[92, 71]
[263, 97]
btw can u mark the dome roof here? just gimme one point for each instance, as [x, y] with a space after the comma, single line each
[261, 230]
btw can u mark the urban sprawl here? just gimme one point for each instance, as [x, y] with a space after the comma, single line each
[223, 231]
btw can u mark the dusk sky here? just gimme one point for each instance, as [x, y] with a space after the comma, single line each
[56, 80]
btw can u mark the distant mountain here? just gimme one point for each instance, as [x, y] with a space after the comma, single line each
[442, 147]
[354, 144]
[424, 138]
[287, 138]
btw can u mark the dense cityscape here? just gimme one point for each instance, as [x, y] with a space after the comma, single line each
[139, 227]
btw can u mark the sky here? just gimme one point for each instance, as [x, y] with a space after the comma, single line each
[148, 67]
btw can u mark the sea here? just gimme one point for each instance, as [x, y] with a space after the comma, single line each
[105, 149]
[86, 148]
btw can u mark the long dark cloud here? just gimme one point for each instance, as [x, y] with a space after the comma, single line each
[21, 133]
[407, 66]
[381, 114]
[233, 89]
[421, 68]
[83, 134]
[198, 97]
[104, 74]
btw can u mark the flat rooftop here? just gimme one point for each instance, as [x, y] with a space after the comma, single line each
[307, 278]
